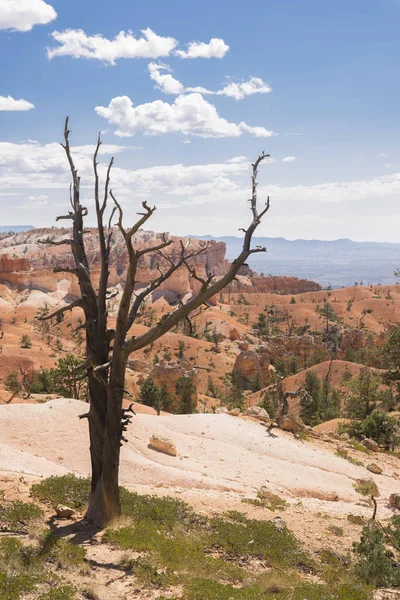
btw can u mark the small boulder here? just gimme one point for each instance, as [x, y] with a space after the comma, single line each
[370, 444]
[394, 500]
[288, 424]
[64, 512]
[234, 335]
[221, 410]
[375, 469]
[257, 412]
[234, 412]
[162, 444]
[356, 519]
[341, 449]
[244, 346]
[344, 436]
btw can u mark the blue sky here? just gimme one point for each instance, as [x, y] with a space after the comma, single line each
[324, 104]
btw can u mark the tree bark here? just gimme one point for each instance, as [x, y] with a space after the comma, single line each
[104, 503]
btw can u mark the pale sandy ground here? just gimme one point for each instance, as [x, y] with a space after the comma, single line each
[220, 457]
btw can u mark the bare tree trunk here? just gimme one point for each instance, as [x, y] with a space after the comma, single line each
[104, 504]
[105, 366]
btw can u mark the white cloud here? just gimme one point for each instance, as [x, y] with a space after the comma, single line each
[39, 201]
[388, 165]
[216, 48]
[289, 159]
[238, 91]
[164, 81]
[192, 194]
[10, 103]
[382, 154]
[189, 114]
[169, 85]
[33, 165]
[76, 43]
[22, 15]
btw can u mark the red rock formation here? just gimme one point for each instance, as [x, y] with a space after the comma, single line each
[170, 372]
[251, 365]
[281, 285]
[24, 258]
[10, 265]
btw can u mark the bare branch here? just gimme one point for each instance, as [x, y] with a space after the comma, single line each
[208, 289]
[61, 310]
[156, 248]
[102, 367]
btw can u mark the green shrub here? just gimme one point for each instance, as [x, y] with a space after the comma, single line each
[19, 513]
[65, 592]
[20, 568]
[208, 589]
[62, 552]
[13, 586]
[366, 487]
[167, 511]
[256, 538]
[376, 563]
[67, 489]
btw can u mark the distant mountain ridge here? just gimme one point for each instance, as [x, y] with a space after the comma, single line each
[339, 262]
[15, 228]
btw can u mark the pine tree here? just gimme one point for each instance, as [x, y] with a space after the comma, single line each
[185, 392]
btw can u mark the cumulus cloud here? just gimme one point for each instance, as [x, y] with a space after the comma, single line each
[289, 159]
[169, 85]
[189, 114]
[216, 48]
[238, 91]
[10, 103]
[33, 165]
[22, 15]
[164, 81]
[76, 43]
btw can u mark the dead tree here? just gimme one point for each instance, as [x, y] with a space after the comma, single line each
[108, 349]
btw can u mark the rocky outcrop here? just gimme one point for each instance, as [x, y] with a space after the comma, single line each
[170, 372]
[251, 366]
[259, 413]
[27, 262]
[281, 347]
[10, 265]
[275, 284]
[23, 254]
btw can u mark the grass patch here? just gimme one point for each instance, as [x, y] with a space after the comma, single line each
[172, 551]
[338, 531]
[359, 447]
[349, 458]
[207, 589]
[267, 500]
[228, 557]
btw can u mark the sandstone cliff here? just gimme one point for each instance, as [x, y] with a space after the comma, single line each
[27, 262]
